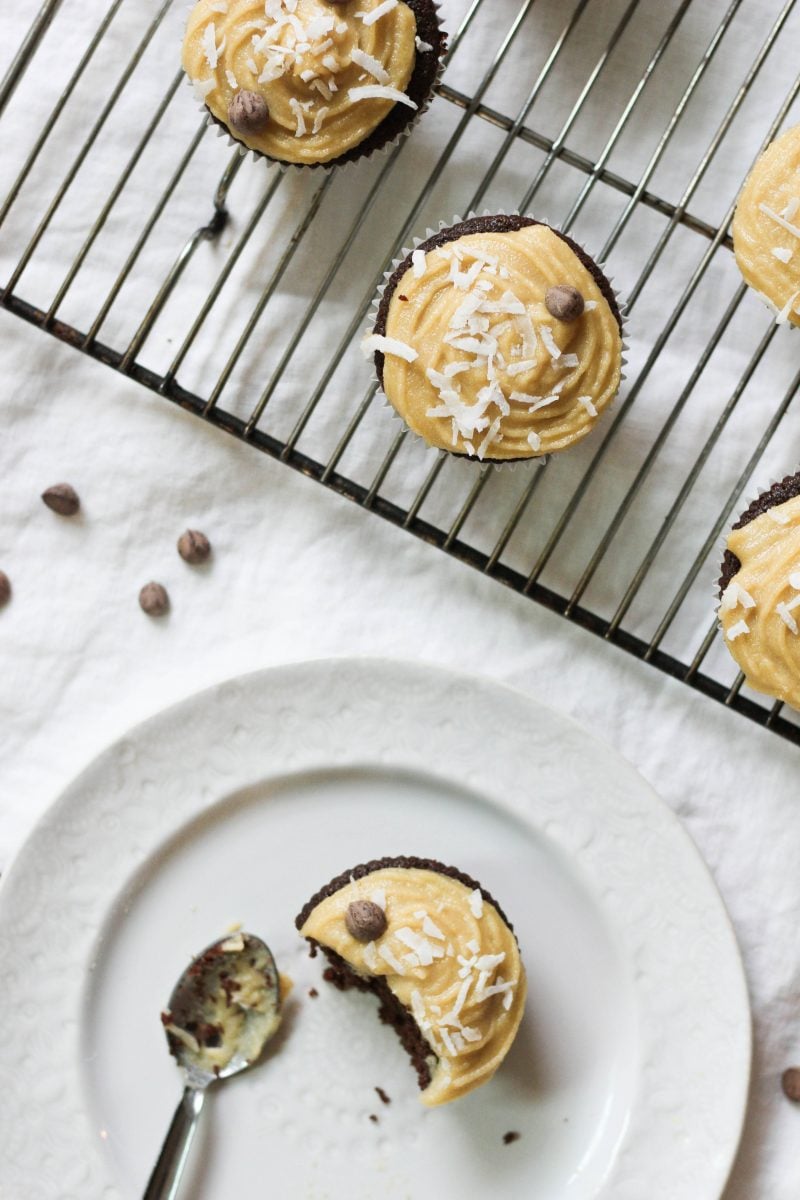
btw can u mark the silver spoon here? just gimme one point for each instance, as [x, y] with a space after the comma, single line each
[223, 1010]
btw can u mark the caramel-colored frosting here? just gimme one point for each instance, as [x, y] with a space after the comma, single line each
[760, 608]
[448, 956]
[494, 375]
[298, 55]
[766, 227]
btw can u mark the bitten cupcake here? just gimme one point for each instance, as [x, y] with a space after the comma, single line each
[498, 338]
[439, 954]
[759, 608]
[766, 227]
[314, 82]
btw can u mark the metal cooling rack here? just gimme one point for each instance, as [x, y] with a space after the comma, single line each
[240, 293]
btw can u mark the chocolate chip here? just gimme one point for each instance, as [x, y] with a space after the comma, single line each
[154, 600]
[386, 1099]
[372, 1116]
[63, 499]
[563, 302]
[5, 589]
[511, 1136]
[790, 1081]
[248, 112]
[365, 920]
[193, 546]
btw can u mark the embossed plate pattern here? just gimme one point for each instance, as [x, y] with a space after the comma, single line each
[629, 1076]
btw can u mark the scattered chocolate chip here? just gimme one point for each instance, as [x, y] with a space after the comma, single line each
[5, 589]
[248, 112]
[373, 1118]
[790, 1081]
[386, 1099]
[63, 499]
[511, 1136]
[313, 993]
[365, 920]
[154, 600]
[193, 546]
[563, 302]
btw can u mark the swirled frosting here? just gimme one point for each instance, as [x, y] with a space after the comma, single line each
[474, 361]
[449, 958]
[760, 608]
[766, 227]
[310, 61]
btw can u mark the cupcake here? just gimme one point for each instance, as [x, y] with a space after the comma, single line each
[759, 608]
[498, 338]
[766, 227]
[313, 82]
[439, 954]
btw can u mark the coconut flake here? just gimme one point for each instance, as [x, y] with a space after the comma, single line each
[422, 47]
[233, 945]
[783, 315]
[569, 360]
[419, 263]
[469, 1034]
[588, 404]
[737, 630]
[787, 225]
[379, 897]
[787, 618]
[546, 335]
[210, 50]
[488, 962]
[390, 960]
[517, 368]
[388, 345]
[782, 255]
[794, 580]
[508, 999]
[432, 929]
[370, 64]
[448, 1042]
[590, 306]
[202, 87]
[476, 903]
[775, 514]
[534, 441]
[371, 956]
[376, 91]
[319, 118]
[369, 18]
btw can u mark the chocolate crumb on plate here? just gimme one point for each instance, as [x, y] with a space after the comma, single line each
[5, 589]
[386, 1099]
[790, 1082]
[373, 1118]
[511, 1136]
[62, 499]
[313, 993]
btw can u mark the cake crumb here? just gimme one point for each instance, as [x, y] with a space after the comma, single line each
[313, 993]
[373, 1118]
[790, 1082]
[386, 1099]
[511, 1136]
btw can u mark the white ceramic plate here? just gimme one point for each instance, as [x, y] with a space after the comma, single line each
[629, 1076]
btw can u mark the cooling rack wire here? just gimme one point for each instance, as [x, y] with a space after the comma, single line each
[240, 293]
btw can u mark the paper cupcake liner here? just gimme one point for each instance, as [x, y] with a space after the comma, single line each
[221, 130]
[532, 460]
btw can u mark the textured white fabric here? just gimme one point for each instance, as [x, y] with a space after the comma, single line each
[298, 572]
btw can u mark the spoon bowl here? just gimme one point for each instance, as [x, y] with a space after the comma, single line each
[222, 1012]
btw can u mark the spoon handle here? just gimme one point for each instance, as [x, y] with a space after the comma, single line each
[166, 1176]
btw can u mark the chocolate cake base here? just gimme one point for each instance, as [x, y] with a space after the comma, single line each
[779, 493]
[343, 977]
[419, 89]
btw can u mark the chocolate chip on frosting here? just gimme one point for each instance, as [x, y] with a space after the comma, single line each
[193, 546]
[248, 112]
[365, 920]
[62, 499]
[564, 302]
[154, 600]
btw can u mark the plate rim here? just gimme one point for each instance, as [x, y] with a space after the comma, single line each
[373, 667]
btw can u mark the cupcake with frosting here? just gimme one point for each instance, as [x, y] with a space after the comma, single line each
[766, 227]
[759, 609]
[498, 339]
[439, 954]
[313, 82]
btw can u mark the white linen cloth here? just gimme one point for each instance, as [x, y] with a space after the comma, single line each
[298, 572]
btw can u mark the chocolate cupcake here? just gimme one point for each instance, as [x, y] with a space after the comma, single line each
[766, 227]
[314, 82]
[498, 338]
[439, 954]
[759, 608]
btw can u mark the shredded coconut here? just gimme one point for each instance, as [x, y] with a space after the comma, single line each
[376, 91]
[369, 18]
[588, 404]
[783, 256]
[388, 345]
[476, 903]
[737, 630]
[370, 64]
